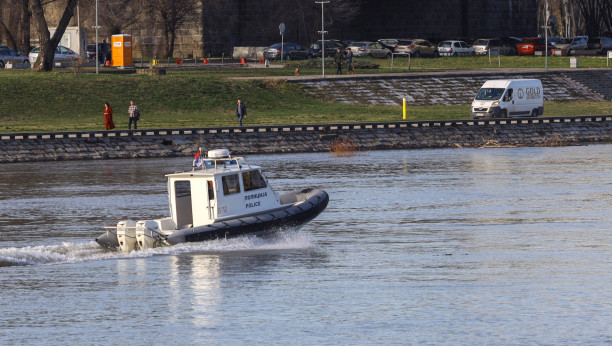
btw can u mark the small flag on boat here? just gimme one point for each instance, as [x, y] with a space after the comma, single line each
[198, 159]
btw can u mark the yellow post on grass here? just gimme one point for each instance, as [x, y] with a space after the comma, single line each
[404, 103]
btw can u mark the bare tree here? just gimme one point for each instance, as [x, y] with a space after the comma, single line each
[114, 16]
[48, 44]
[589, 17]
[15, 24]
[117, 15]
[597, 15]
[172, 14]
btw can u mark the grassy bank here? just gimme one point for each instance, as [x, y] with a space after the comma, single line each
[72, 100]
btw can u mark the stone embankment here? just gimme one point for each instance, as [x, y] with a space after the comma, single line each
[454, 88]
[307, 138]
[426, 88]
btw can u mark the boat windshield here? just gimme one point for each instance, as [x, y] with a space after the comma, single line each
[489, 94]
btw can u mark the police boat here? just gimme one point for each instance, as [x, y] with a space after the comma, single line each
[221, 197]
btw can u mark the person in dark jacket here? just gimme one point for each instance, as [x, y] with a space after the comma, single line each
[349, 61]
[241, 111]
[338, 60]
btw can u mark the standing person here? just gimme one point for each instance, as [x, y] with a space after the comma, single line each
[134, 115]
[108, 116]
[349, 61]
[102, 48]
[338, 59]
[241, 111]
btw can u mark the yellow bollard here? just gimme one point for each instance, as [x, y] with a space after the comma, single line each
[404, 102]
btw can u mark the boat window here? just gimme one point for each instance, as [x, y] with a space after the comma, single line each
[231, 184]
[253, 180]
[182, 188]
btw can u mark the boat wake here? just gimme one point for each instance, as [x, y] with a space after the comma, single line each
[91, 251]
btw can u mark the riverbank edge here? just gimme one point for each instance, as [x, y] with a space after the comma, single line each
[339, 138]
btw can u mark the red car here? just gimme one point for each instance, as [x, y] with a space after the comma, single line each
[529, 46]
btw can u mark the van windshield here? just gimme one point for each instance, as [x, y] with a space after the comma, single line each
[490, 94]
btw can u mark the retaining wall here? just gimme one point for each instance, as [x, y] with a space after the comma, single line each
[548, 131]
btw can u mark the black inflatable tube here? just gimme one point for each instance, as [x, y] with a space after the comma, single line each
[315, 202]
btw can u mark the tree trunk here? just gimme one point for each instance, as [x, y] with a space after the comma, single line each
[26, 18]
[48, 44]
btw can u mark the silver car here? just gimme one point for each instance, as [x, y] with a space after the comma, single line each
[484, 45]
[370, 49]
[8, 55]
[571, 44]
[455, 48]
[62, 54]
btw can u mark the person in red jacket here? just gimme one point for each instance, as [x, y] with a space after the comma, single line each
[108, 116]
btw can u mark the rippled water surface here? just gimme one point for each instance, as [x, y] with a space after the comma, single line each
[453, 246]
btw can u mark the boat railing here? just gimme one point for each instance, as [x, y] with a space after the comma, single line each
[223, 163]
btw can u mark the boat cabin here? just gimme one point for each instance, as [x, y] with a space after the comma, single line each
[221, 187]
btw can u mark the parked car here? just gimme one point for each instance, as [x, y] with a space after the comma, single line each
[416, 47]
[91, 51]
[484, 45]
[62, 54]
[331, 47]
[552, 41]
[370, 49]
[454, 48]
[531, 45]
[571, 44]
[389, 43]
[512, 42]
[8, 55]
[601, 44]
[290, 51]
[347, 43]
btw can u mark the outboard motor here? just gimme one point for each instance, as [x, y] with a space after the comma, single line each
[147, 234]
[126, 235]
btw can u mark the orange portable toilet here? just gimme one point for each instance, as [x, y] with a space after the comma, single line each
[121, 50]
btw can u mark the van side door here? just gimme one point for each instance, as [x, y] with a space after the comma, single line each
[508, 101]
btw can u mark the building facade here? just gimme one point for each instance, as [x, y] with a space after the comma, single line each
[219, 25]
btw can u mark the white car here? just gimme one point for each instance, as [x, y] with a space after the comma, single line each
[62, 54]
[455, 48]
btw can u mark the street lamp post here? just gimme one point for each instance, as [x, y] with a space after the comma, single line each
[97, 27]
[322, 32]
[546, 38]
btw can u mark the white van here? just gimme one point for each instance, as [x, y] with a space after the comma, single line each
[508, 98]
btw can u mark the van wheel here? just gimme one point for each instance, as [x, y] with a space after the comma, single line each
[503, 113]
[534, 113]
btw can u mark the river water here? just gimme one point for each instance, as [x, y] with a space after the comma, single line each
[449, 246]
